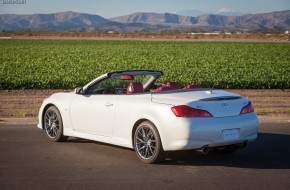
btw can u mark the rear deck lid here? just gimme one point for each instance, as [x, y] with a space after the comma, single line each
[218, 102]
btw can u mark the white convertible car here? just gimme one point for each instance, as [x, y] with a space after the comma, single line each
[130, 109]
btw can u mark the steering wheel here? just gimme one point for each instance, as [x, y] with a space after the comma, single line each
[110, 90]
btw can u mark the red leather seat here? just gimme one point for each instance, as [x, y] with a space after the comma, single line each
[163, 88]
[135, 87]
[174, 85]
[192, 86]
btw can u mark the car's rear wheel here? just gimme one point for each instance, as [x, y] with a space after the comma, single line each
[147, 143]
[53, 124]
[226, 149]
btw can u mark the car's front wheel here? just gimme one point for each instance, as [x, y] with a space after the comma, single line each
[53, 124]
[147, 143]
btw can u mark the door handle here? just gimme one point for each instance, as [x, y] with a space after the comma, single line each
[109, 104]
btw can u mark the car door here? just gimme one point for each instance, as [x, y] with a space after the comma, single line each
[94, 114]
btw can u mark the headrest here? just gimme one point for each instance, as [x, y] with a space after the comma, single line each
[174, 85]
[135, 87]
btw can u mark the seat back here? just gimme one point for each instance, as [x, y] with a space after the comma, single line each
[174, 85]
[192, 86]
[163, 88]
[135, 87]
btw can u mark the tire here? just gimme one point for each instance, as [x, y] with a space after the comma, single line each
[53, 126]
[147, 144]
[226, 149]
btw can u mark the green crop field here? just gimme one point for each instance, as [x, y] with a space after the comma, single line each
[47, 64]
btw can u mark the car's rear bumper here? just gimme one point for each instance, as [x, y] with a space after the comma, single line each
[196, 133]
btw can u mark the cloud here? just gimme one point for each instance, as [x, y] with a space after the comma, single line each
[225, 10]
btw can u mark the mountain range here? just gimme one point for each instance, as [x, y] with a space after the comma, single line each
[72, 21]
[223, 11]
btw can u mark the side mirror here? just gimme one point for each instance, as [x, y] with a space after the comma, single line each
[79, 90]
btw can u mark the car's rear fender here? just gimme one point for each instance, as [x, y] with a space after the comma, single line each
[134, 109]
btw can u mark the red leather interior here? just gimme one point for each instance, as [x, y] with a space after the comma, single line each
[135, 87]
[192, 86]
[163, 88]
[174, 85]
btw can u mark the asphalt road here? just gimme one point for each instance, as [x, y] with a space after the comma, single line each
[28, 160]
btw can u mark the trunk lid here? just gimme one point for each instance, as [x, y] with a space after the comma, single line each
[218, 102]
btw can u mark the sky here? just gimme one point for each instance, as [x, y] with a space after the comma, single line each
[114, 8]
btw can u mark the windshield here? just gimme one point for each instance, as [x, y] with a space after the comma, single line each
[118, 85]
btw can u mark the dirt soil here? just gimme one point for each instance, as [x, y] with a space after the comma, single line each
[189, 37]
[26, 103]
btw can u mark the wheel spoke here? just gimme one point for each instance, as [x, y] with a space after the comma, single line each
[141, 140]
[143, 133]
[151, 150]
[146, 152]
[54, 132]
[142, 148]
[49, 130]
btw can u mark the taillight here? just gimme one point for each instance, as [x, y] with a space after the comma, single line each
[248, 108]
[186, 111]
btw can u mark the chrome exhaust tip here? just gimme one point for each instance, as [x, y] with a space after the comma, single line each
[245, 144]
[203, 150]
